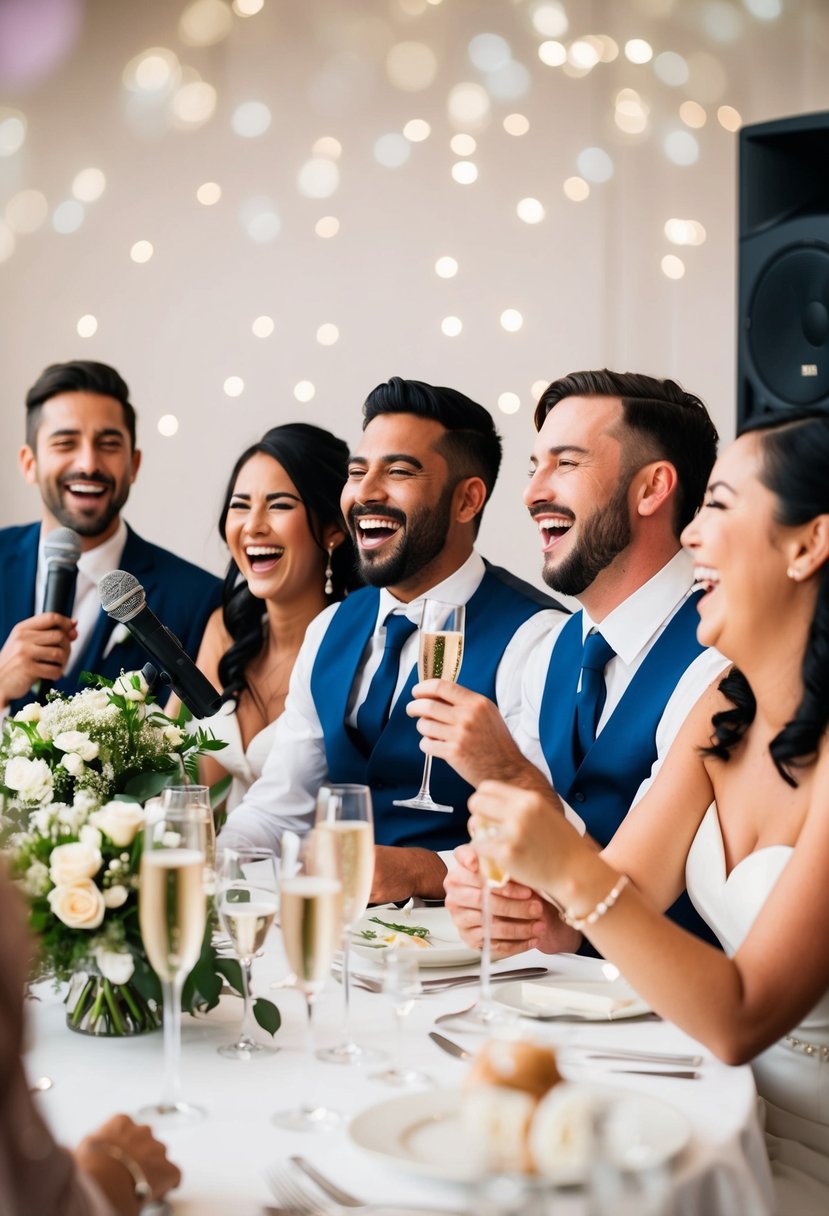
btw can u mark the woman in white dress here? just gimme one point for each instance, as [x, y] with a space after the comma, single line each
[290, 556]
[739, 812]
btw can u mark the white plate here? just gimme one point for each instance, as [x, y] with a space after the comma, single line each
[447, 949]
[424, 1134]
[633, 1006]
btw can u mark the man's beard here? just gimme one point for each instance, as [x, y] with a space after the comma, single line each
[605, 534]
[426, 530]
[71, 517]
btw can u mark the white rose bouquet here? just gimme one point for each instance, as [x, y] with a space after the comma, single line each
[73, 776]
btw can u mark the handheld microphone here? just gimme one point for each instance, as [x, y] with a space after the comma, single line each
[122, 598]
[62, 548]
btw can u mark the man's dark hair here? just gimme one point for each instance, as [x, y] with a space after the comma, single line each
[79, 376]
[471, 447]
[669, 423]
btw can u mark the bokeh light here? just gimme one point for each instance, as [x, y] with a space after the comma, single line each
[511, 320]
[304, 391]
[530, 210]
[465, 172]
[672, 266]
[576, 189]
[550, 19]
[318, 178]
[595, 165]
[251, 119]
[209, 193]
[167, 425]
[204, 23]
[451, 326]
[12, 131]
[68, 216]
[391, 151]
[234, 386]
[446, 268]
[682, 148]
[88, 185]
[468, 105]
[693, 114]
[462, 144]
[87, 325]
[411, 66]
[328, 334]
[141, 251]
[729, 118]
[260, 219]
[509, 403]
[26, 211]
[263, 326]
[416, 130]
[327, 226]
[516, 124]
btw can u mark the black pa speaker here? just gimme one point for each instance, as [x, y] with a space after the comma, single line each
[783, 292]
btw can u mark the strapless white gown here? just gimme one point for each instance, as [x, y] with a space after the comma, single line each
[792, 1080]
[244, 765]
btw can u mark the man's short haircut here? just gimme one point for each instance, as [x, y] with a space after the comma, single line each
[79, 376]
[471, 447]
[668, 423]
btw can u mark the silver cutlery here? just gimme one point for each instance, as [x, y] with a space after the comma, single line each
[681, 1074]
[450, 1046]
[373, 983]
[294, 1200]
[642, 1057]
[344, 1198]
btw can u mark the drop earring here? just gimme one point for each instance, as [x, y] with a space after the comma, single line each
[329, 573]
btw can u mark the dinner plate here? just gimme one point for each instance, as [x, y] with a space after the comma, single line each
[625, 1002]
[446, 948]
[423, 1133]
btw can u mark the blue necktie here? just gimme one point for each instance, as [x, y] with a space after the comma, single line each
[373, 713]
[592, 693]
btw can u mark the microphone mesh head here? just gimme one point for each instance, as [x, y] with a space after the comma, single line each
[63, 546]
[121, 595]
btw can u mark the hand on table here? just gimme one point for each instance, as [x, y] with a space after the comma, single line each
[114, 1178]
[400, 873]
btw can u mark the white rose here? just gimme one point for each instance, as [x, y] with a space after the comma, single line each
[91, 836]
[80, 905]
[29, 713]
[70, 863]
[120, 821]
[20, 745]
[41, 821]
[95, 699]
[77, 741]
[124, 686]
[116, 966]
[44, 729]
[172, 735]
[31, 778]
[116, 896]
[73, 764]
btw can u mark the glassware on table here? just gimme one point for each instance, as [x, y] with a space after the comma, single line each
[485, 1011]
[247, 906]
[172, 912]
[309, 909]
[344, 850]
[197, 796]
[401, 985]
[439, 658]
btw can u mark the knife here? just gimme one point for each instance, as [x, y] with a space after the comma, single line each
[459, 981]
[640, 1057]
[683, 1074]
[450, 1046]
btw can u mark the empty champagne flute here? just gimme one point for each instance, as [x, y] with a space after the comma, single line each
[485, 1011]
[344, 851]
[401, 984]
[172, 912]
[247, 904]
[439, 658]
[309, 909]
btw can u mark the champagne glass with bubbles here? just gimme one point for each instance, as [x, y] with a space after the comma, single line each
[439, 658]
[172, 912]
[247, 903]
[309, 909]
[344, 849]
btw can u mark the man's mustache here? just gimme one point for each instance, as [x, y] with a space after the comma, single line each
[551, 508]
[370, 511]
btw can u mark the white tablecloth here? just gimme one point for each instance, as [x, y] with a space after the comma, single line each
[722, 1172]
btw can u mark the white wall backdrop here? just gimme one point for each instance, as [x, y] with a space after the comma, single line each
[244, 208]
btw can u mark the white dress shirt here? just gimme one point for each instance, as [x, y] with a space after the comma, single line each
[631, 629]
[93, 564]
[284, 796]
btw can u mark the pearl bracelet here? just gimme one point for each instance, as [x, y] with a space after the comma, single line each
[580, 923]
[140, 1184]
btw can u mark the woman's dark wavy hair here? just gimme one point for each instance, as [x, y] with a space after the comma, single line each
[317, 463]
[794, 464]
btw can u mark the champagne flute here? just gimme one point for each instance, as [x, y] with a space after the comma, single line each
[247, 907]
[172, 913]
[401, 984]
[485, 1011]
[439, 658]
[344, 850]
[309, 908]
[198, 796]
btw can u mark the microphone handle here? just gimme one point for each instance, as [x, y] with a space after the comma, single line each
[187, 682]
[58, 596]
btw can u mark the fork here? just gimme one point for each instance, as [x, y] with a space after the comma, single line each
[293, 1198]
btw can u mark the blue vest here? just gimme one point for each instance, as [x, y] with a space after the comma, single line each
[602, 788]
[394, 767]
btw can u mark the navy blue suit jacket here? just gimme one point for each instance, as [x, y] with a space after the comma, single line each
[180, 594]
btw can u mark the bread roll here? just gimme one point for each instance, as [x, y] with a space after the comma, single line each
[529, 1067]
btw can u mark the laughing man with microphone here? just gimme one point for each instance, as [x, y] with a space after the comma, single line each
[80, 453]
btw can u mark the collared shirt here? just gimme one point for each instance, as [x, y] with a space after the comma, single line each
[283, 797]
[631, 629]
[93, 564]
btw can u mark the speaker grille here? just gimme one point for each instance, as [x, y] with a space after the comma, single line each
[788, 325]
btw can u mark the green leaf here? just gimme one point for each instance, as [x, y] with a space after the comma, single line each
[231, 969]
[267, 1015]
[147, 785]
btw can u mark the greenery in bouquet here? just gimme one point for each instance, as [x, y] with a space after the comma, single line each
[74, 773]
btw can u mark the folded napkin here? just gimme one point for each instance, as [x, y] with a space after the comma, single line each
[578, 999]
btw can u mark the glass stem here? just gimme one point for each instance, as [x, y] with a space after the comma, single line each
[246, 1031]
[311, 1100]
[346, 985]
[398, 1018]
[486, 950]
[171, 1094]
[427, 773]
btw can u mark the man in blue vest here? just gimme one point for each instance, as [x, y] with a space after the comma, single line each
[619, 467]
[80, 453]
[417, 486]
